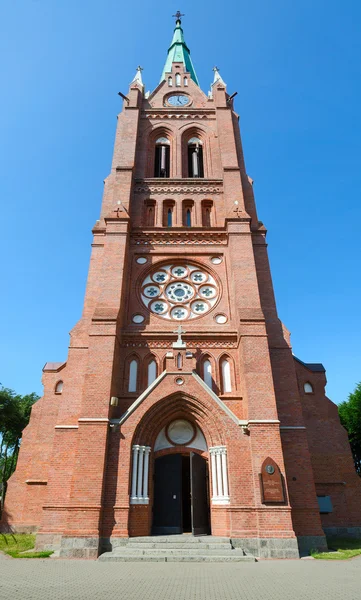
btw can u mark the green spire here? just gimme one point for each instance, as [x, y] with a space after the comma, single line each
[179, 52]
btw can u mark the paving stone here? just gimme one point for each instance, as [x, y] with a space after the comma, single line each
[93, 580]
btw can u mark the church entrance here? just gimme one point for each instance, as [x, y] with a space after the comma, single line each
[181, 497]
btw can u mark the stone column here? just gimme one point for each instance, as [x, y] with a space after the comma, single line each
[140, 473]
[224, 472]
[146, 471]
[214, 475]
[134, 472]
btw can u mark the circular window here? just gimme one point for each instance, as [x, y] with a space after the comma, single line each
[179, 291]
[221, 319]
[216, 260]
[179, 381]
[180, 432]
[141, 260]
[151, 291]
[138, 318]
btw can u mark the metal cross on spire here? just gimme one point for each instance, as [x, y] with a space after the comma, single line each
[178, 15]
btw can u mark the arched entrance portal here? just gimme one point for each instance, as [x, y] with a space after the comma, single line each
[181, 494]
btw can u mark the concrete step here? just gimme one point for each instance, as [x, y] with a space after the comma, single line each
[177, 552]
[125, 557]
[183, 546]
[178, 539]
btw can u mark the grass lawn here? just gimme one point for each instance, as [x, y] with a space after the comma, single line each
[20, 546]
[342, 548]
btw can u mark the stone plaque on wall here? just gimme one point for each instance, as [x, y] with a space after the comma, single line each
[271, 482]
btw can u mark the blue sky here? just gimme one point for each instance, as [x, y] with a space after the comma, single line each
[296, 67]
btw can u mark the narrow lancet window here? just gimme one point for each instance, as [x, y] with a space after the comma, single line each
[170, 217]
[207, 217]
[195, 158]
[133, 376]
[152, 371]
[185, 81]
[170, 82]
[226, 376]
[207, 373]
[162, 158]
[188, 218]
[177, 80]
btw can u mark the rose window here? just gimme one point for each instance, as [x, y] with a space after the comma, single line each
[179, 292]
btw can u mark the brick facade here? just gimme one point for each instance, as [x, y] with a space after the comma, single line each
[74, 475]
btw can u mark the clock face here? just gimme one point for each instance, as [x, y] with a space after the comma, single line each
[178, 100]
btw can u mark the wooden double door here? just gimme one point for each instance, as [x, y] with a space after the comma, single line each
[181, 495]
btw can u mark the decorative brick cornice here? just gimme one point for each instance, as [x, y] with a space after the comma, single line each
[190, 114]
[204, 344]
[178, 186]
[184, 238]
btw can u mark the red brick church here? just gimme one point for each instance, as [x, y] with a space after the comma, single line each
[181, 408]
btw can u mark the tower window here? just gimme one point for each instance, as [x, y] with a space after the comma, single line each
[168, 208]
[207, 213]
[150, 206]
[185, 81]
[170, 82]
[308, 388]
[59, 387]
[178, 79]
[152, 371]
[226, 376]
[162, 157]
[133, 376]
[207, 217]
[187, 213]
[195, 158]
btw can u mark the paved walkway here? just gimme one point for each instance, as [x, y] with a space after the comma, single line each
[56, 579]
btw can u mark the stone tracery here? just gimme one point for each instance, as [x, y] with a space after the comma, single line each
[179, 292]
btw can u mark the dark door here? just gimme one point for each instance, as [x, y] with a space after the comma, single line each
[167, 508]
[199, 493]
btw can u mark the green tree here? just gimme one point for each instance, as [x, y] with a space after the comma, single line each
[350, 416]
[14, 416]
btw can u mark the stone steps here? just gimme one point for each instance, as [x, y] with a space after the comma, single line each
[109, 556]
[177, 548]
[180, 546]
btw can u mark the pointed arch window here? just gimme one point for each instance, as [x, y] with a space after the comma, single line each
[195, 158]
[308, 388]
[185, 81]
[133, 376]
[207, 373]
[188, 218]
[162, 157]
[178, 80]
[152, 371]
[170, 82]
[226, 378]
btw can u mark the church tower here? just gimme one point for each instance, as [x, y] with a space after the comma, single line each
[180, 407]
